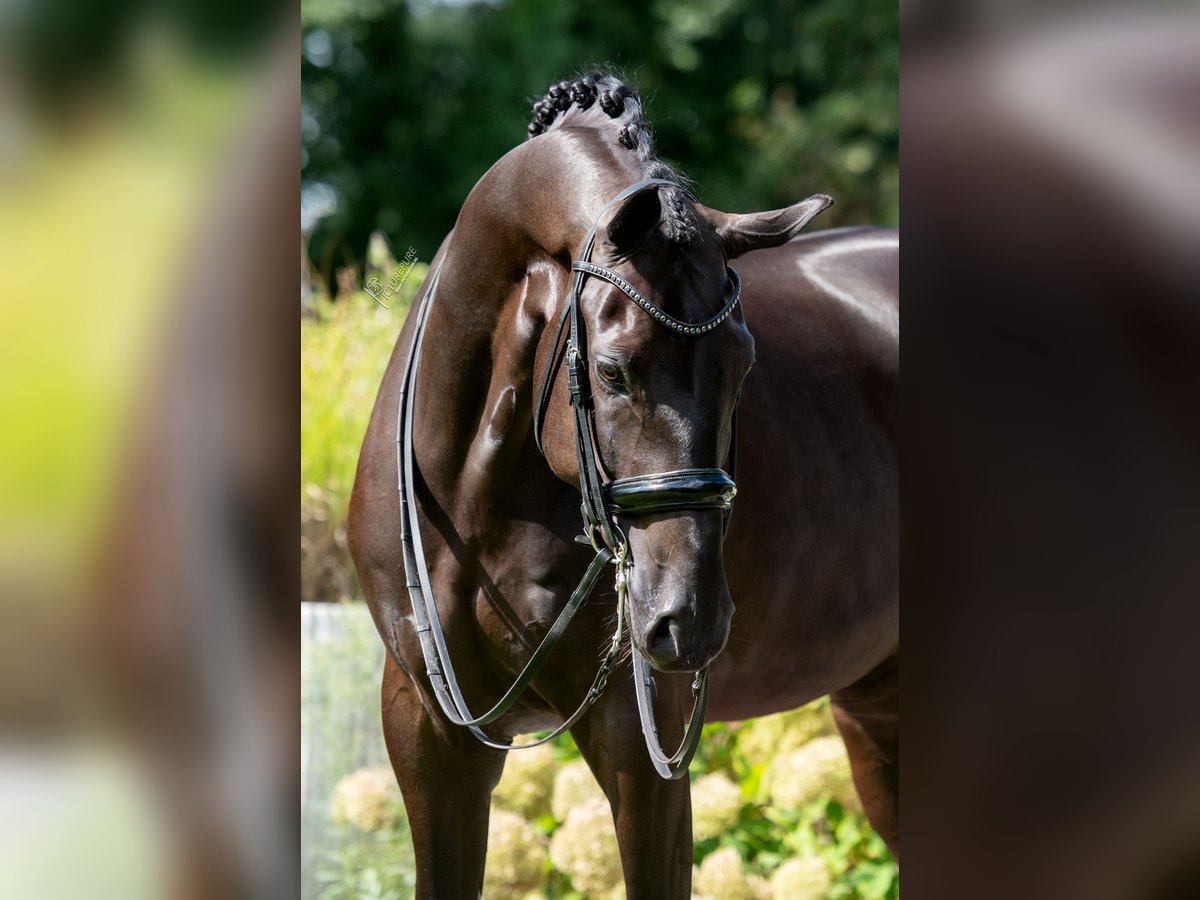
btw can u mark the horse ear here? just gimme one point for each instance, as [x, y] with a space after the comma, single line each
[741, 233]
[634, 220]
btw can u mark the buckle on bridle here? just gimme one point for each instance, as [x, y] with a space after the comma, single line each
[575, 374]
[591, 536]
[594, 536]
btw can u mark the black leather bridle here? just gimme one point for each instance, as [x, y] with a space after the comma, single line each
[603, 501]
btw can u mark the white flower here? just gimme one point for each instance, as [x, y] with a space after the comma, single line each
[516, 857]
[585, 847]
[817, 770]
[368, 799]
[716, 802]
[720, 877]
[574, 785]
[801, 878]
[763, 739]
[527, 782]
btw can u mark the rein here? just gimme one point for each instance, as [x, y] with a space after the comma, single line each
[603, 499]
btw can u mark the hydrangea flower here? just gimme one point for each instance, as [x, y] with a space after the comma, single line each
[716, 802]
[574, 785]
[516, 857]
[818, 769]
[801, 878]
[585, 847]
[527, 782]
[720, 877]
[368, 799]
[767, 737]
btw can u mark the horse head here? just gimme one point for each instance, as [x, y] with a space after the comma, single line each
[663, 396]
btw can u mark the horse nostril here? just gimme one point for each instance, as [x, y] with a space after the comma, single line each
[663, 645]
[663, 631]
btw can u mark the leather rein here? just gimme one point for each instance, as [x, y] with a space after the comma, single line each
[603, 500]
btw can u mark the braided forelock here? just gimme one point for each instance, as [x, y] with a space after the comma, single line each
[610, 101]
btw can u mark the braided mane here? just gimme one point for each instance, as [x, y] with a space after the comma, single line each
[603, 101]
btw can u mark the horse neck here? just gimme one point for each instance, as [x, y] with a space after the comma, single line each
[495, 295]
[506, 270]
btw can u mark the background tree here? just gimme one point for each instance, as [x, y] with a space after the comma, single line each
[760, 102]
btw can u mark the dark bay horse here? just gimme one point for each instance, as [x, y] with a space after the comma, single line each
[809, 359]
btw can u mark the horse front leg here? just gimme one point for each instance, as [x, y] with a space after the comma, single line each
[653, 816]
[446, 777]
[868, 716]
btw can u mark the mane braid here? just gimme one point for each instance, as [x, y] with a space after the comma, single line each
[603, 101]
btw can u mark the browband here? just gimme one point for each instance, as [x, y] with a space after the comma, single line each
[688, 328]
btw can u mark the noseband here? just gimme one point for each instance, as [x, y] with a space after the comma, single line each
[604, 500]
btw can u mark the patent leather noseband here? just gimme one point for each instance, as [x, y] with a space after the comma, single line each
[604, 501]
[646, 495]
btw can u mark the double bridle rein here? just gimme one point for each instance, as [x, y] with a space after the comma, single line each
[603, 500]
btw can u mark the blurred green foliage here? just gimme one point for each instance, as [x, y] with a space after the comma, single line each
[766, 835]
[761, 102]
[344, 350]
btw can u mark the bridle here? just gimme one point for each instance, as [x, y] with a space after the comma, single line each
[603, 500]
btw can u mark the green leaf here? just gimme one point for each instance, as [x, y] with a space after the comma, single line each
[848, 831]
[874, 881]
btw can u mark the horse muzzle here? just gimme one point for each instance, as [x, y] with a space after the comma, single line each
[680, 635]
[671, 644]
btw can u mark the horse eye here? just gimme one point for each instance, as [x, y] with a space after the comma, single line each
[609, 373]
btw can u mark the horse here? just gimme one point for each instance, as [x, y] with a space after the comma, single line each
[495, 432]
